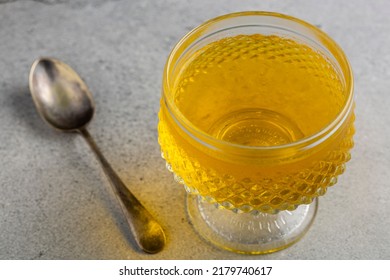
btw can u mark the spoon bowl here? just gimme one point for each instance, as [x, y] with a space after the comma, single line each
[64, 101]
[61, 97]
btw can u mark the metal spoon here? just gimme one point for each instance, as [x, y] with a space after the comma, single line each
[64, 102]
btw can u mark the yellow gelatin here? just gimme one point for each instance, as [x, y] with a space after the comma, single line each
[253, 95]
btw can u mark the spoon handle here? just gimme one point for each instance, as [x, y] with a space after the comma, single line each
[147, 233]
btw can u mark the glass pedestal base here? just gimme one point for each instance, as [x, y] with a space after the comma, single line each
[249, 233]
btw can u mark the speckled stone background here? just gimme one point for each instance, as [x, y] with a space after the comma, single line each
[54, 200]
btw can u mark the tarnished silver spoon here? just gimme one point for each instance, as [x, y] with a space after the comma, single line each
[64, 102]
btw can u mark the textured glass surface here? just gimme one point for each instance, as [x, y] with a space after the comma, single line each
[252, 193]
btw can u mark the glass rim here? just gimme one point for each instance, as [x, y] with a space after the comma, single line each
[305, 142]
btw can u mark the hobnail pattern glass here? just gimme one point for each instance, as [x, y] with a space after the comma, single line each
[264, 213]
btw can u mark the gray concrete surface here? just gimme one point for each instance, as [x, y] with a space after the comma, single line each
[54, 202]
